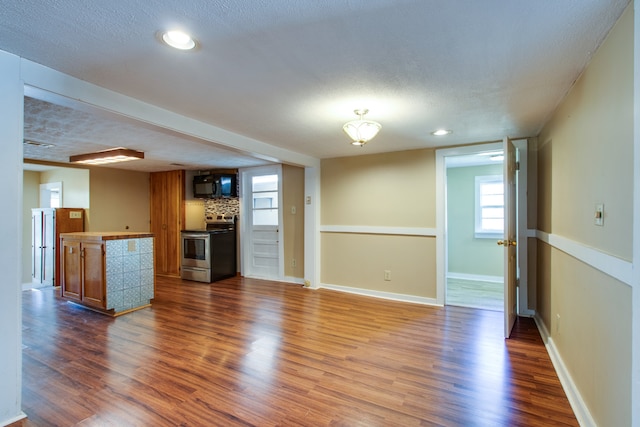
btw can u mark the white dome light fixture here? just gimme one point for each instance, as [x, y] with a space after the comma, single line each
[361, 131]
[441, 132]
[178, 39]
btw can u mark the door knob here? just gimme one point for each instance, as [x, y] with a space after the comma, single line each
[507, 243]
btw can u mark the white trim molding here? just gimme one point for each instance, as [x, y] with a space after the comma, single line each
[580, 408]
[635, 302]
[613, 266]
[384, 295]
[293, 280]
[364, 229]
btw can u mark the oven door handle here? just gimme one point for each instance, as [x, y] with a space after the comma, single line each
[195, 235]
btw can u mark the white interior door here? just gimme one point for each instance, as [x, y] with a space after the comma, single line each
[36, 246]
[262, 218]
[49, 246]
[510, 237]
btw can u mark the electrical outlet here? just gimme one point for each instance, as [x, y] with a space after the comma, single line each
[558, 323]
[387, 275]
[75, 214]
[293, 263]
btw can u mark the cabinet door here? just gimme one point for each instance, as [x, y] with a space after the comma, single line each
[93, 291]
[71, 286]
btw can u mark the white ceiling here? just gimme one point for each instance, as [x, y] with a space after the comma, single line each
[290, 73]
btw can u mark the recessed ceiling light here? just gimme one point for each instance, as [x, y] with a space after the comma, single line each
[178, 39]
[441, 132]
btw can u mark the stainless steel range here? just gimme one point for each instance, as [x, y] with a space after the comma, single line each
[210, 254]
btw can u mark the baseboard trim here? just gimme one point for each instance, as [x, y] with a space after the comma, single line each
[476, 277]
[29, 286]
[578, 405]
[294, 280]
[380, 294]
[10, 421]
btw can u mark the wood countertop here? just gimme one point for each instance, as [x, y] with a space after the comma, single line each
[106, 235]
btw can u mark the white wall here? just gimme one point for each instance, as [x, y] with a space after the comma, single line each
[11, 125]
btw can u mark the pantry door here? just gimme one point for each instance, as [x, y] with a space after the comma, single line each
[261, 201]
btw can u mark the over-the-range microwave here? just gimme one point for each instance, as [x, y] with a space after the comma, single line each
[215, 185]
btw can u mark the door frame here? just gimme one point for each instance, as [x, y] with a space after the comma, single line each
[441, 231]
[245, 175]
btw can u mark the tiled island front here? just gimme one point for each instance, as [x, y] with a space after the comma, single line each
[110, 272]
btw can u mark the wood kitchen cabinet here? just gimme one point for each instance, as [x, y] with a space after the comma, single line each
[167, 219]
[110, 272]
[83, 268]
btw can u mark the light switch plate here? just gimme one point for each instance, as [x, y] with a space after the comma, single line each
[599, 215]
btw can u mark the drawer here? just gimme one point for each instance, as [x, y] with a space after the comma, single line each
[196, 274]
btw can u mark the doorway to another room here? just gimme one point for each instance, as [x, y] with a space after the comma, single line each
[475, 221]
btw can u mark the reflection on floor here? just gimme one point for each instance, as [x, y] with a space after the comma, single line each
[476, 294]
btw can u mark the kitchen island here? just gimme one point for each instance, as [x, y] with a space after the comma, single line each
[109, 272]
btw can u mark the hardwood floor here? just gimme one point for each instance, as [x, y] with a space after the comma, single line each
[251, 352]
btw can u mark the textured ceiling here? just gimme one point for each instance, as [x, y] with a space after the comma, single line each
[290, 73]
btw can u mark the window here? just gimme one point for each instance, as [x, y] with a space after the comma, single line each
[264, 189]
[489, 207]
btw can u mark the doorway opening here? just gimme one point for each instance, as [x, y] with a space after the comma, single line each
[261, 218]
[474, 222]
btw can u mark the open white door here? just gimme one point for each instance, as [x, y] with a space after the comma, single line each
[261, 222]
[510, 240]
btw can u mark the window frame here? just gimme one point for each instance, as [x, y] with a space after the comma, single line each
[479, 231]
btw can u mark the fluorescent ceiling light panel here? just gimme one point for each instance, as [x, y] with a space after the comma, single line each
[108, 156]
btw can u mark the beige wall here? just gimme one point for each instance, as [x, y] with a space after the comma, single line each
[591, 135]
[584, 158]
[293, 227]
[380, 190]
[390, 189]
[75, 185]
[119, 200]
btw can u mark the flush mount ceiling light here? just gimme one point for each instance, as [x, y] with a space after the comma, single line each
[108, 156]
[361, 131]
[178, 39]
[441, 132]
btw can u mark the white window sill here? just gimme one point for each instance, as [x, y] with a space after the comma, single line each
[487, 235]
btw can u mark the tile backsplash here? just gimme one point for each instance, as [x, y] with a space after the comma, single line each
[227, 206]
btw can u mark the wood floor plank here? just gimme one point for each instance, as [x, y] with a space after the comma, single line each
[251, 352]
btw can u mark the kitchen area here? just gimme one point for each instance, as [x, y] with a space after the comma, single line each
[115, 205]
